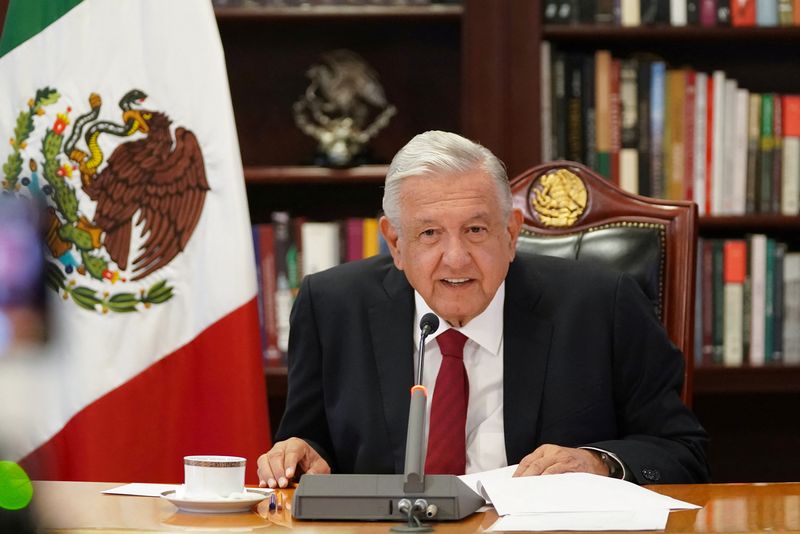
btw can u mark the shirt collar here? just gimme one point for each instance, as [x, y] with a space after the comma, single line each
[486, 329]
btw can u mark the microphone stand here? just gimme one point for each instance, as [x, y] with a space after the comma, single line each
[411, 496]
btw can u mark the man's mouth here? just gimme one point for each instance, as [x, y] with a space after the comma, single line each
[456, 282]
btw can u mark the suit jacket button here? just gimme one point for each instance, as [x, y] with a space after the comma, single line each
[653, 475]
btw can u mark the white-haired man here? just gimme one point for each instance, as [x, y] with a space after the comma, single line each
[565, 367]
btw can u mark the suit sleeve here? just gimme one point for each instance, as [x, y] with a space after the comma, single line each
[305, 410]
[660, 438]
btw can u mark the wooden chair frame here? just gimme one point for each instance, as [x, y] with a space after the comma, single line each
[608, 204]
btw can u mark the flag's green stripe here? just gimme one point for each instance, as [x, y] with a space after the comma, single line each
[26, 18]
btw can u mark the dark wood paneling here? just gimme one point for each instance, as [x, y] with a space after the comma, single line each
[417, 61]
[754, 436]
[501, 79]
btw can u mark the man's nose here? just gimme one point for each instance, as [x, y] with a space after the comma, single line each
[456, 253]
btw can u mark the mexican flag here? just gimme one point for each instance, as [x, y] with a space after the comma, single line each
[117, 116]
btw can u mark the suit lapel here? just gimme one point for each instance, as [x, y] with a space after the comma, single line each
[391, 328]
[526, 348]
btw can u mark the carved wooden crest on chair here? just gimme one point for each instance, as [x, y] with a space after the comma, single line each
[572, 212]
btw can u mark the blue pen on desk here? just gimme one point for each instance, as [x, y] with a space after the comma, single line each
[273, 502]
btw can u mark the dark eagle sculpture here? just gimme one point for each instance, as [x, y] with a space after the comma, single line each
[162, 179]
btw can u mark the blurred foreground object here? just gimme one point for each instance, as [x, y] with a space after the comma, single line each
[22, 301]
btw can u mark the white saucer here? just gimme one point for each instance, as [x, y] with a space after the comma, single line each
[217, 506]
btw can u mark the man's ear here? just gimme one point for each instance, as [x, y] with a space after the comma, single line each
[391, 236]
[515, 220]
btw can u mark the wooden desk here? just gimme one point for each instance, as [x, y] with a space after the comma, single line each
[80, 507]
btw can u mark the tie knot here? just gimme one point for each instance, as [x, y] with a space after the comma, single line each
[451, 343]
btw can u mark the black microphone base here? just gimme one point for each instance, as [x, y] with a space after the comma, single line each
[377, 498]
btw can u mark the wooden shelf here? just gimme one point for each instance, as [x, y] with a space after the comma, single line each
[433, 11]
[314, 175]
[644, 34]
[746, 380]
[751, 223]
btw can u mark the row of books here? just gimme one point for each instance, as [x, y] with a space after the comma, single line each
[673, 133]
[288, 248]
[706, 13]
[748, 302]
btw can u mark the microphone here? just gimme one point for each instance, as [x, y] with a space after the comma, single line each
[414, 472]
[427, 325]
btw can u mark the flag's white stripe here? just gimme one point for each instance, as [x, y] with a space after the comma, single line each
[98, 47]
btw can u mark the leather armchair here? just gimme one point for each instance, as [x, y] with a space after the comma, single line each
[572, 212]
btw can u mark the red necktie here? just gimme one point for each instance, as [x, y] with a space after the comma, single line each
[447, 444]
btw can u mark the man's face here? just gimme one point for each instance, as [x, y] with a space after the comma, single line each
[453, 243]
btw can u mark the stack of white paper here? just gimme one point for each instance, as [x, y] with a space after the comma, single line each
[572, 501]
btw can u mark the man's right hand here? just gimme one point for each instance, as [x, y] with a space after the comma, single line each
[278, 466]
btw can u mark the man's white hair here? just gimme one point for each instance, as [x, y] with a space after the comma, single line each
[442, 153]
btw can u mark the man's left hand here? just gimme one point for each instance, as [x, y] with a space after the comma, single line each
[552, 459]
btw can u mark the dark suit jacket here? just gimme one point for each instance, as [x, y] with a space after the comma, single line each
[586, 363]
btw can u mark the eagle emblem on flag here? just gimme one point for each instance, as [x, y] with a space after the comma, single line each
[116, 219]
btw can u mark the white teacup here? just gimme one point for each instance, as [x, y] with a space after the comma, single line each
[213, 477]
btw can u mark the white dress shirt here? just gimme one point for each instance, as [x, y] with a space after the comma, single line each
[483, 359]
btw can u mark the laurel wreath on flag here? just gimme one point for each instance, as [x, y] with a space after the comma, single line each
[61, 198]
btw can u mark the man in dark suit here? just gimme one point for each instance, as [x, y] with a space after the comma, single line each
[567, 367]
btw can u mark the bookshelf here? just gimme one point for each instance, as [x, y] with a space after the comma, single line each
[474, 68]
[746, 410]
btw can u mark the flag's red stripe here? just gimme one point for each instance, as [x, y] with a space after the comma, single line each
[208, 397]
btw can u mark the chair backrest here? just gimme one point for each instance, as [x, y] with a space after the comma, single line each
[572, 212]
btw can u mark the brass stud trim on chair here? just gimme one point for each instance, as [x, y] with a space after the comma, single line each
[662, 239]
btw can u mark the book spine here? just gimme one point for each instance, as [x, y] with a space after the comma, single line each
[602, 105]
[629, 135]
[739, 153]
[589, 113]
[766, 12]
[657, 107]
[743, 13]
[700, 116]
[604, 12]
[785, 15]
[735, 260]
[559, 106]
[707, 287]
[753, 144]
[790, 199]
[719, 300]
[677, 12]
[643, 77]
[574, 89]
[630, 13]
[778, 318]
[708, 13]
[710, 112]
[723, 13]
[777, 155]
[758, 264]
[791, 292]
[371, 242]
[690, 102]
[283, 291]
[765, 155]
[718, 154]
[615, 117]
[769, 302]
[545, 94]
[693, 12]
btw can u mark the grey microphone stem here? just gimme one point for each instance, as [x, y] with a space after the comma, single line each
[414, 480]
